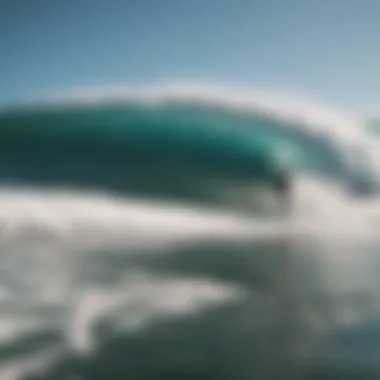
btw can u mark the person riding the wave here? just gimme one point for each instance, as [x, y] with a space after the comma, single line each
[282, 182]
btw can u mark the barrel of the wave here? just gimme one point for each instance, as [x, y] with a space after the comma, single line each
[161, 152]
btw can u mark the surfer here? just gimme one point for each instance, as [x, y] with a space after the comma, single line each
[282, 188]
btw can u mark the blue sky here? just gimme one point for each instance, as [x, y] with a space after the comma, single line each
[326, 49]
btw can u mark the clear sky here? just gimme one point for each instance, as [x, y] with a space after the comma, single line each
[327, 49]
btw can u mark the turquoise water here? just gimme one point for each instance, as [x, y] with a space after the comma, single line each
[124, 147]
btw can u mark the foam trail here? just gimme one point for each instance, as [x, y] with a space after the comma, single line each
[145, 298]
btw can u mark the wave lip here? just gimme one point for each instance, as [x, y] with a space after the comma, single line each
[283, 107]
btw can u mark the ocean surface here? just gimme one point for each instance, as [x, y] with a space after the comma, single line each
[141, 238]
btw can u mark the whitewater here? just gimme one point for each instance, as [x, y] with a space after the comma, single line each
[108, 274]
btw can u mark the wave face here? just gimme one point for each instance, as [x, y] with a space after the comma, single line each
[179, 147]
[98, 284]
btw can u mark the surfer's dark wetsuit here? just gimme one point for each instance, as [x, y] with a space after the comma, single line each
[282, 186]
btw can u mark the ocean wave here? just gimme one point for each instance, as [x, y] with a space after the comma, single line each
[185, 142]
